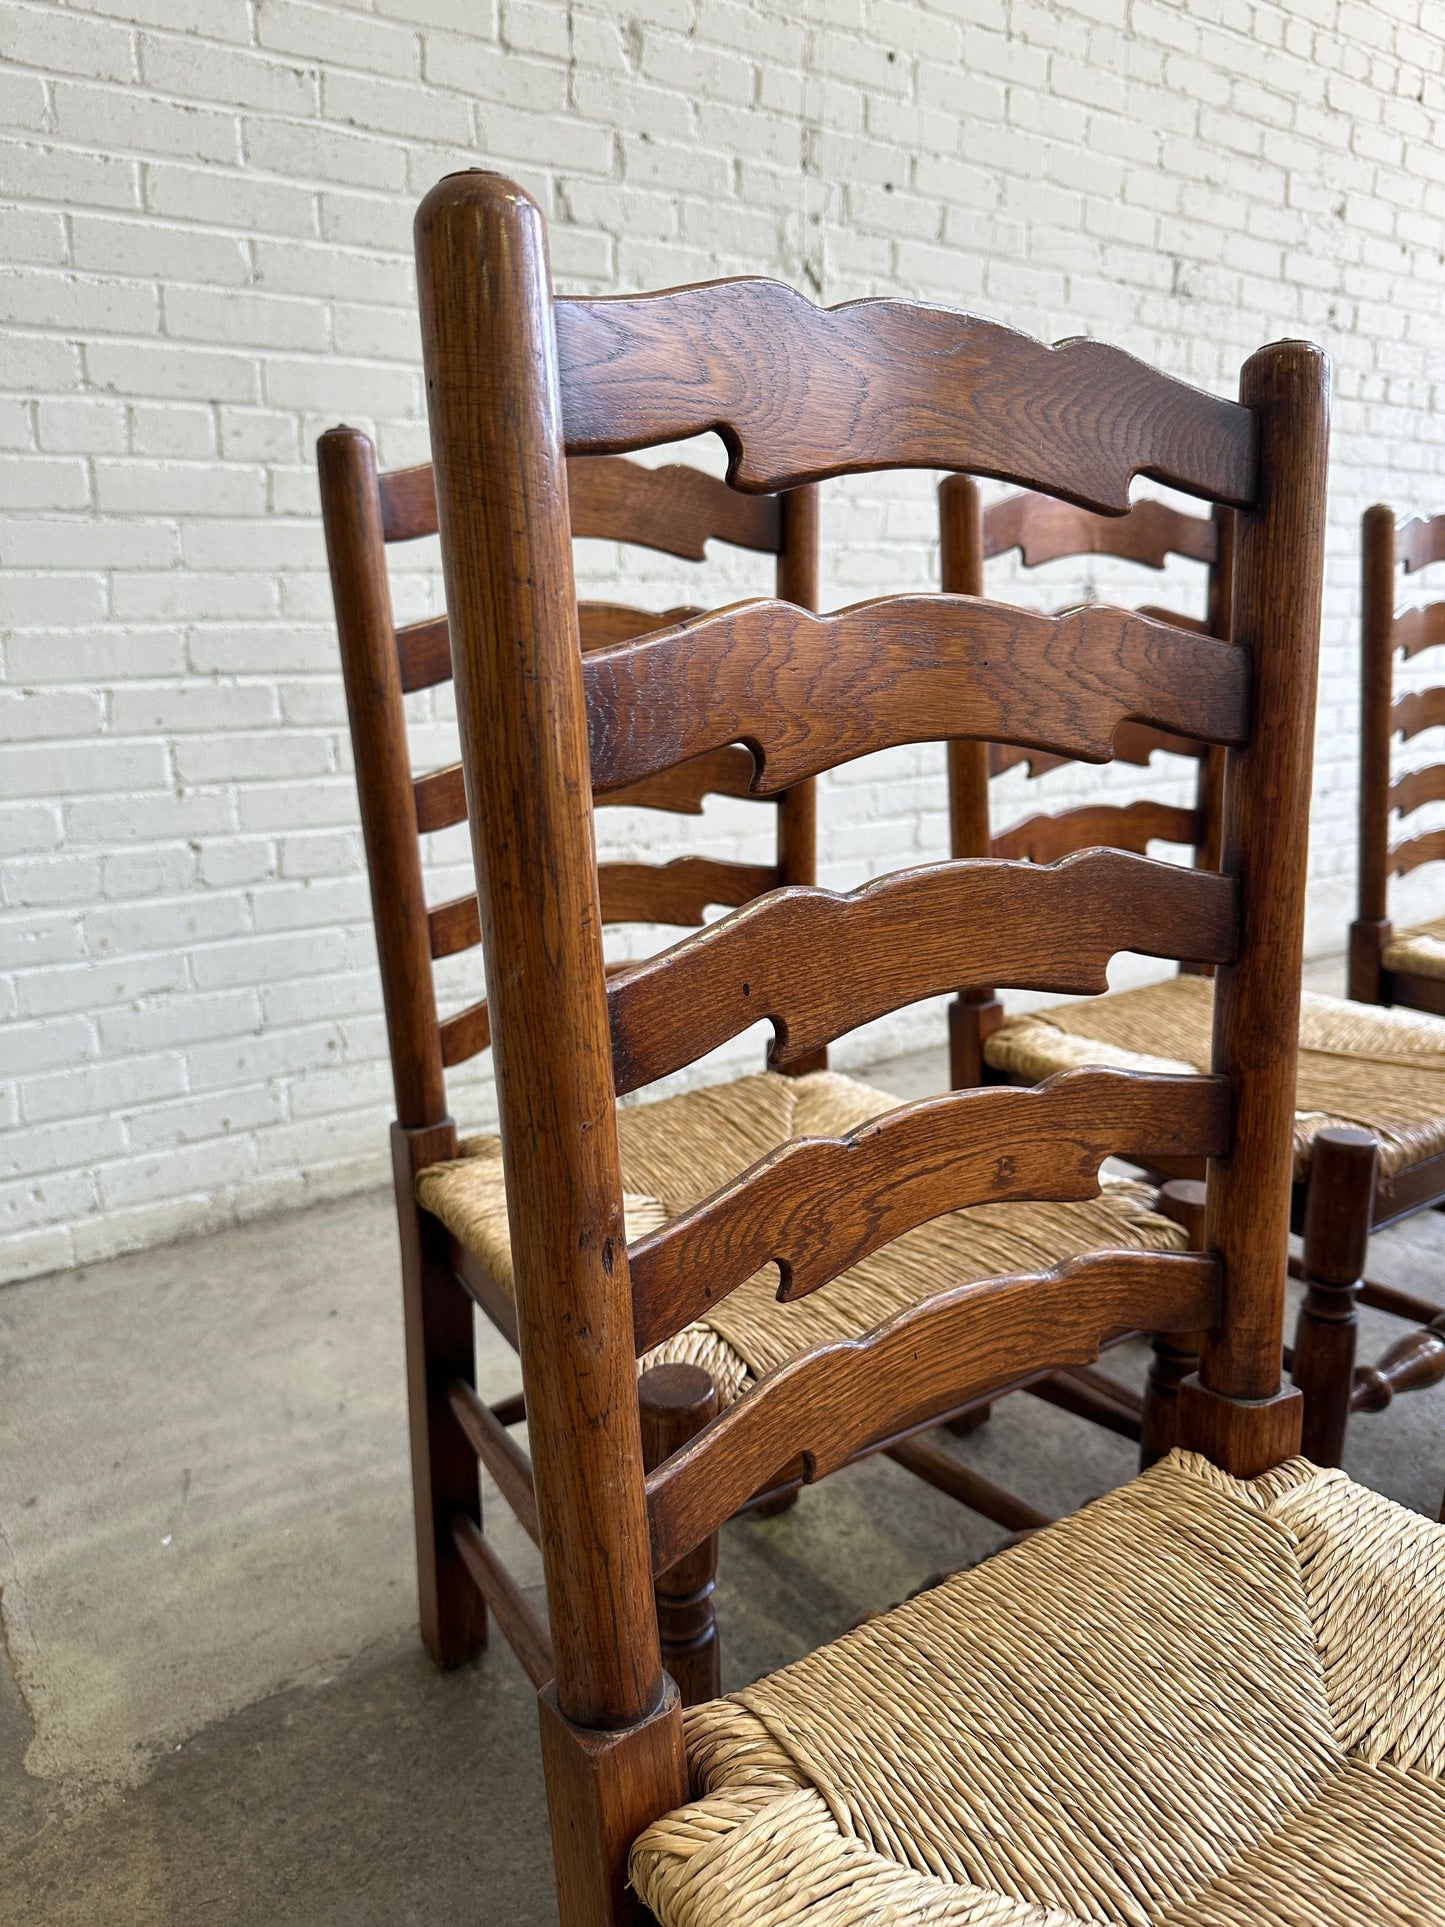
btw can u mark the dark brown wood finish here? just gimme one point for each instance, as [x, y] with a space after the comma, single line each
[817, 965]
[800, 393]
[829, 1401]
[807, 692]
[1128, 826]
[1046, 530]
[677, 510]
[820, 1205]
[514, 382]
[1386, 545]
[496, 446]
[1336, 1234]
[975, 1012]
[676, 1402]
[1234, 1409]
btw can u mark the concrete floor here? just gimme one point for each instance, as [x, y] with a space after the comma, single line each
[216, 1708]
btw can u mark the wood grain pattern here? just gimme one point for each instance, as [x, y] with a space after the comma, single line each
[1045, 530]
[601, 624]
[677, 509]
[498, 1451]
[424, 653]
[424, 649]
[679, 892]
[1417, 850]
[466, 1033]
[453, 926]
[1417, 787]
[362, 598]
[807, 692]
[1420, 540]
[524, 1631]
[496, 437]
[676, 893]
[1128, 826]
[439, 799]
[831, 1400]
[817, 964]
[800, 393]
[817, 1206]
[1278, 582]
[408, 503]
[1422, 709]
[1419, 628]
[683, 789]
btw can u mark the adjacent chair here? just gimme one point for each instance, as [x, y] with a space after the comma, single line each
[453, 1239]
[456, 1239]
[1389, 967]
[1370, 1124]
[1214, 1695]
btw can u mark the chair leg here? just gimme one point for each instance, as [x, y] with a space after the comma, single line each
[1367, 972]
[603, 1788]
[1174, 1355]
[439, 1348]
[676, 1402]
[1338, 1207]
[973, 1017]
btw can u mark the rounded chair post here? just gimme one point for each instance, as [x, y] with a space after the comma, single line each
[496, 432]
[1370, 932]
[611, 1723]
[1174, 1356]
[797, 581]
[1339, 1204]
[676, 1402]
[975, 1012]
[1235, 1410]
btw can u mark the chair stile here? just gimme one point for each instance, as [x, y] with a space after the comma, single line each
[516, 383]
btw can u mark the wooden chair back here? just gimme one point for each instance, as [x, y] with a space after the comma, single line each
[1045, 530]
[1388, 545]
[517, 381]
[675, 509]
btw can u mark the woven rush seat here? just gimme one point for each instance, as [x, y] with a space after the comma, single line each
[1420, 952]
[1382, 1071]
[680, 1149]
[1198, 1702]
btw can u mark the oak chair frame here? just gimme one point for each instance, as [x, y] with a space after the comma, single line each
[1388, 545]
[676, 509]
[516, 382]
[1345, 1195]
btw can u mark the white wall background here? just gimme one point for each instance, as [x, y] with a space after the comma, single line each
[205, 260]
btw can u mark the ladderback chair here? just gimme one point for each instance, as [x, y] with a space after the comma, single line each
[675, 509]
[1134, 1715]
[1389, 967]
[1045, 530]
[1370, 1129]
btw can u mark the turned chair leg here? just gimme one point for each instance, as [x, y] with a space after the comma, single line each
[676, 1402]
[1339, 1205]
[1174, 1355]
[1413, 1364]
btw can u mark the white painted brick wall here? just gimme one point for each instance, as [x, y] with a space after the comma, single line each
[205, 260]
